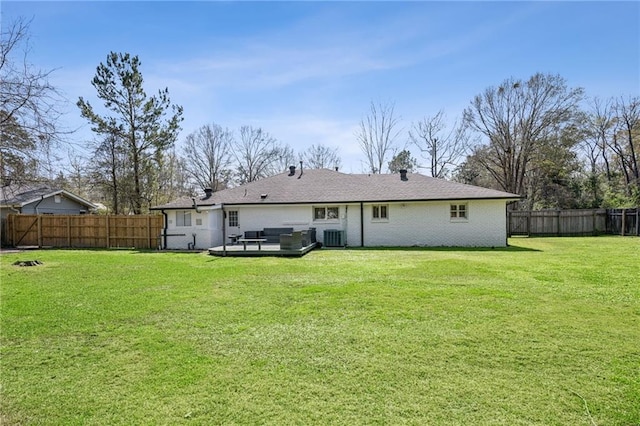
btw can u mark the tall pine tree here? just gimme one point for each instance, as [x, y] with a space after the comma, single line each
[146, 126]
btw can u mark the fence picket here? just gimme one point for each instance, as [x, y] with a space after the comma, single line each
[576, 222]
[87, 231]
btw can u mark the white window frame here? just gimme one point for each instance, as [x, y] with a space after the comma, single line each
[235, 223]
[380, 212]
[333, 211]
[183, 218]
[459, 212]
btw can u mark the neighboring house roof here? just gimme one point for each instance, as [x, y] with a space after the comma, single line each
[20, 195]
[328, 186]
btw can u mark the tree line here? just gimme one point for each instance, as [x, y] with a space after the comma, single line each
[536, 137]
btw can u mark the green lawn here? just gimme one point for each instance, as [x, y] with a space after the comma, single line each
[544, 332]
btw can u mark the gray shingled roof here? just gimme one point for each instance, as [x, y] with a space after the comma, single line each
[327, 186]
[20, 195]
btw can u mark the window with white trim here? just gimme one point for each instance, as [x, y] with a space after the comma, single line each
[459, 211]
[380, 212]
[183, 218]
[233, 218]
[326, 213]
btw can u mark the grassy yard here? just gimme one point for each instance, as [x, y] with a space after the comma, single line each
[545, 332]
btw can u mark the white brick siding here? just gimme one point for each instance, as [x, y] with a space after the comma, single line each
[429, 224]
[408, 224]
[175, 239]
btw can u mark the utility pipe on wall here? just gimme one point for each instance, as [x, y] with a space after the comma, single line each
[224, 231]
[361, 224]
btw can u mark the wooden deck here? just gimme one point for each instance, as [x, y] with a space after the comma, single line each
[253, 251]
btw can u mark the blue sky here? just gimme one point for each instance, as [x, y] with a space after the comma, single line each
[306, 72]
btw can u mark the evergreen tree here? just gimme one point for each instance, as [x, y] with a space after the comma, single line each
[147, 126]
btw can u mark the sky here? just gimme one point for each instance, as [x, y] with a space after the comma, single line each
[307, 72]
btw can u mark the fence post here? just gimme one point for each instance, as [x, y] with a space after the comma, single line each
[149, 230]
[39, 228]
[69, 231]
[13, 230]
[107, 230]
[624, 215]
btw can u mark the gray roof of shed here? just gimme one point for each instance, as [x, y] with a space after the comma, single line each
[324, 186]
[21, 195]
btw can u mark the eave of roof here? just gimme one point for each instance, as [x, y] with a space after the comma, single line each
[331, 187]
[32, 195]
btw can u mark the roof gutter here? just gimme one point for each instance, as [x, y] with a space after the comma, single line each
[372, 201]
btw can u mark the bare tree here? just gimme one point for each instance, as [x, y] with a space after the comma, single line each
[625, 142]
[173, 179]
[207, 156]
[285, 157]
[110, 171]
[516, 118]
[596, 125]
[256, 153]
[27, 101]
[321, 157]
[442, 146]
[16, 152]
[377, 135]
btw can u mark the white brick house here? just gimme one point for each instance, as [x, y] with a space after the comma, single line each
[367, 210]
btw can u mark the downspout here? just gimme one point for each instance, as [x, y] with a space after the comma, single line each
[346, 226]
[36, 206]
[165, 230]
[361, 224]
[224, 231]
[195, 206]
[508, 224]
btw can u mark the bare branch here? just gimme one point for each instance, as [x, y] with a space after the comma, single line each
[321, 157]
[442, 146]
[377, 135]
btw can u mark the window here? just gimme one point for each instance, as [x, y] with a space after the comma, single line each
[233, 218]
[380, 212]
[326, 213]
[57, 199]
[459, 211]
[183, 218]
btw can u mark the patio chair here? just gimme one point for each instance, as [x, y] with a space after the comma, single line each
[291, 241]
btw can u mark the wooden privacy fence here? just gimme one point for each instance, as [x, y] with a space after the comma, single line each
[574, 222]
[83, 231]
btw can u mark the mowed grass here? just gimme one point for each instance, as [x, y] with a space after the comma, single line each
[544, 332]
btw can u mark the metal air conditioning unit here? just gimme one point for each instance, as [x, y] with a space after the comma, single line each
[334, 238]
